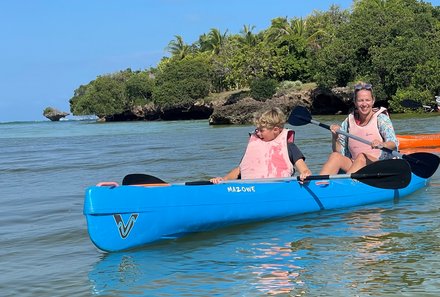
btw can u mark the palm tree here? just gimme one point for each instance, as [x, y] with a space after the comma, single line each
[295, 27]
[298, 26]
[203, 43]
[279, 26]
[247, 37]
[178, 48]
[216, 40]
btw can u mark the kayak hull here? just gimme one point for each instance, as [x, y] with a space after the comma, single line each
[419, 140]
[125, 217]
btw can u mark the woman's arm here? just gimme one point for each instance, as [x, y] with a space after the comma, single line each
[339, 141]
[386, 130]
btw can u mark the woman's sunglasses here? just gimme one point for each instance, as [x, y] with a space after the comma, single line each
[359, 87]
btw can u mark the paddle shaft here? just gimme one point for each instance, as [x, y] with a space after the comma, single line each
[394, 153]
[310, 177]
[353, 176]
[285, 179]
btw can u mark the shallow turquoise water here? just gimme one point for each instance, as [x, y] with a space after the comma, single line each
[384, 249]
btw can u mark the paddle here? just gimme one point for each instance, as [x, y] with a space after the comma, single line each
[145, 179]
[386, 174]
[422, 164]
[409, 103]
[139, 178]
[412, 104]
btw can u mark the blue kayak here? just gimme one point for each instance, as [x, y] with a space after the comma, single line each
[129, 216]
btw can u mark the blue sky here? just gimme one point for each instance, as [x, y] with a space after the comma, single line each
[50, 47]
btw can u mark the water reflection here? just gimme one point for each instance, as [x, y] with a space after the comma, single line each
[278, 272]
[371, 251]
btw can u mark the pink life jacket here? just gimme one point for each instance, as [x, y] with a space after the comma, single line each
[368, 132]
[266, 159]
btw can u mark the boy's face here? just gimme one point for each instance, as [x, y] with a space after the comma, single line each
[266, 134]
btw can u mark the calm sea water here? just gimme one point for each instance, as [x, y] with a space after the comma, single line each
[389, 249]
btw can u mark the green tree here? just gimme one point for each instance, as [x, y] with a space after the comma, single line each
[244, 63]
[322, 26]
[178, 48]
[203, 44]
[280, 26]
[247, 37]
[290, 59]
[139, 87]
[182, 82]
[112, 94]
[216, 40]
[263, 89]
[79, 102]
[427, 76]
[108, 96]
[384, 41]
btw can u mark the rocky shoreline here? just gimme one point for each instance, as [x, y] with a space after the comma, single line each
[237, 108]
[319, 101]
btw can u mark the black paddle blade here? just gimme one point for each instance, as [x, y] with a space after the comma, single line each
[299, 116]
[423, 164]
[408, 103]
[139, 179]
[385, 174]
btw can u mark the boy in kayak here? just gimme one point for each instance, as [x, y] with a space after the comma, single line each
[372, 124]
[270, 152]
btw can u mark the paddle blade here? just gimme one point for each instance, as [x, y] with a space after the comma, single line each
[385, 174]
[139, 179]
[408, 103]
[299, 116]
[423, 164]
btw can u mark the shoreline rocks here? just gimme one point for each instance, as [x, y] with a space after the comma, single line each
[319, 101]
[237, 108]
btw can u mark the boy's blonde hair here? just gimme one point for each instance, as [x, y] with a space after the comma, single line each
[270, 119]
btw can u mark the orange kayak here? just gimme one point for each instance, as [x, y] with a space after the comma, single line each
[419, 140]
[411, 150]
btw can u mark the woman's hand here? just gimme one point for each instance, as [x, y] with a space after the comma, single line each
[334, 128]
[377, 144]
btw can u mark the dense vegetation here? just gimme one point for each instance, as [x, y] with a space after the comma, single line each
[394, 44]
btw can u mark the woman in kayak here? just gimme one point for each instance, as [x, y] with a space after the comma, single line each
[372, 124]
[270, 152]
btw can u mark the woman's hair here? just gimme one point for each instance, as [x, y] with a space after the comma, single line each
[270, 119]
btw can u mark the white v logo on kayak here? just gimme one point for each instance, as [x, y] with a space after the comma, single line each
[124, 229]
